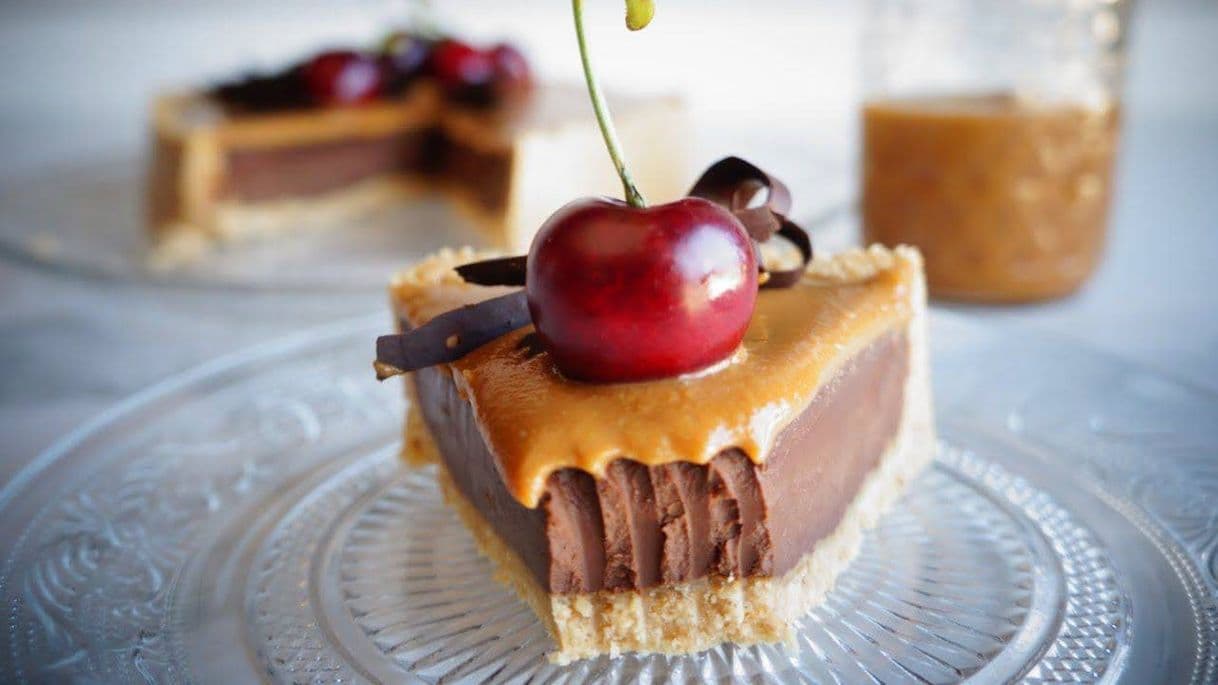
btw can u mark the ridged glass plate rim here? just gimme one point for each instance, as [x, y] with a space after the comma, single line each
[1171, 507]
[327, 604]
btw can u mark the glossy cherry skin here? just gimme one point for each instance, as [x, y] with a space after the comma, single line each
[459, 66]
[403, 58]
[406, 52]
[622, 294]
[343, 77]
[512, 72]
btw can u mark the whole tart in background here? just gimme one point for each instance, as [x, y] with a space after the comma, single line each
[267, 156]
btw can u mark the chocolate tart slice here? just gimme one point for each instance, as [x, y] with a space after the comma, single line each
[218, 175]
[673, 515]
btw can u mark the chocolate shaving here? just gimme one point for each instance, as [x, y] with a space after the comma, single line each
[501, 271]
[258, 93]
[737, 184]
[451, 335]
[785, 278]
[530, 345]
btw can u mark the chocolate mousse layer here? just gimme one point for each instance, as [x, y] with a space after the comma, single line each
[258, 174]
[272, 173]
[640, 526]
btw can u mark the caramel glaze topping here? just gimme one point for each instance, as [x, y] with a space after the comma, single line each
[537, 422]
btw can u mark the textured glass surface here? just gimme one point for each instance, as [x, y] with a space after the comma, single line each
[250, 520]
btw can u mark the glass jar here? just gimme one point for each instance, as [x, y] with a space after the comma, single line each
[989, 133]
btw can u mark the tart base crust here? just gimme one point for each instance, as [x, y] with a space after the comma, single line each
[693, 616]
[180, 243]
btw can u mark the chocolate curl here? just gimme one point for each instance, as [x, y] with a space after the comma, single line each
[501, 271]
[785, 278]
[730, 182]
[451, 335]
[736, 185]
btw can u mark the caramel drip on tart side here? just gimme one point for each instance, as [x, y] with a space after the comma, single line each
[537, 422]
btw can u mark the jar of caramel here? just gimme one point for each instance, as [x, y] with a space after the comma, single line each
[989, 134]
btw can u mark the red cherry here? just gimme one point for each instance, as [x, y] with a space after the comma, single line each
[406, 52]
[403, 58]
[619, 293]
[343, 77]
[458, 66]
[512, 71]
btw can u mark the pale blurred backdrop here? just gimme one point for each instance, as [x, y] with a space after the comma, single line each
[778, 71]
[79, 74]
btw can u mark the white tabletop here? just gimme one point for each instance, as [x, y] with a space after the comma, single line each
[78, 76]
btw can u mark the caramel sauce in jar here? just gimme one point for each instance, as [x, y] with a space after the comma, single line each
[1007, 199]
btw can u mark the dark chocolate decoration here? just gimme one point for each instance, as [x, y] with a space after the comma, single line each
[785, 278]
[530, 345]
[480, 96]
[501, 271]
[736, 184]
[451, 335]
[264, 92]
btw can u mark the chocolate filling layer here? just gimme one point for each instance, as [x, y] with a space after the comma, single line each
[274, 173]
[640, 526]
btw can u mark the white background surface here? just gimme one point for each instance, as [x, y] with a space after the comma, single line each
[78, 75]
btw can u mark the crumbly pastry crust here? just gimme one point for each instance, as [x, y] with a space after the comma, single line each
[182, 242]
[236, 223]
[436, 269]
[696, 615]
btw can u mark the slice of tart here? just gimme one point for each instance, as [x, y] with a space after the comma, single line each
[219, 174]
[676, 514]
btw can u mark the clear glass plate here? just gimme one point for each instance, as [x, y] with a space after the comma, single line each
[250, 521]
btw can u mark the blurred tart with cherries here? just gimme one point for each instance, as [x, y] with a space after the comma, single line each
[348, 132]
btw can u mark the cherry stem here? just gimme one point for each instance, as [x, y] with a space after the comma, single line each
[633, 197]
